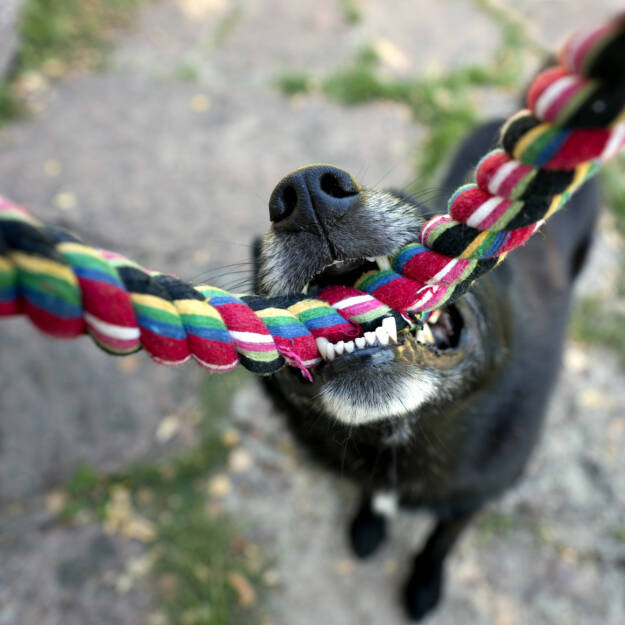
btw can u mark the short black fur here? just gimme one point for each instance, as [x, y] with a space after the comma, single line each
[454, 454]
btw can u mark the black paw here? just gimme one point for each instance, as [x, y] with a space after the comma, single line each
[367, 532]
[423, 589]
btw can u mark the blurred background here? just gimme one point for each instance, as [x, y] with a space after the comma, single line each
[135, 494]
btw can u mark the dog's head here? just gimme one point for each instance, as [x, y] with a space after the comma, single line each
[326, 230]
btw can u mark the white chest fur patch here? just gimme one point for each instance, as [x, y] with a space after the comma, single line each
[371, 403]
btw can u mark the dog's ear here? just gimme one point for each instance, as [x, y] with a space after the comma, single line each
[257, 247]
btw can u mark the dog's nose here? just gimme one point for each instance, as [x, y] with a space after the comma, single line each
[318, 194]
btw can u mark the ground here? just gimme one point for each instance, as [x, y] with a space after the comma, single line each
[185, 126]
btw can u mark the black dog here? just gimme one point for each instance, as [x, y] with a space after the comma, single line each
[443, 419]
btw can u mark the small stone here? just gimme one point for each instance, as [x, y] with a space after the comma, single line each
[54, 68]
[145, 496]
[124, 583]
[576, 359]
[141, 565]
[65, 201]
[616, 428]
[201, 257]
[55, 501]
[219, 486]
[271, 578]
[231, 437]
[128, 364]
[344, 567]
[594, 399]
[390, 54]
[157, 618]
[167, 428]
[198, 9]
[240, 460]
[52, 168]
[246, 593]
[202, 572]
[200, 103]
[139, 529]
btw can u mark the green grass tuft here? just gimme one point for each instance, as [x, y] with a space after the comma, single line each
[613, 188]
[351, 11]
[292, 83]
[61, 36]
[186, 72]
[196, 550]
[594, 321]
[76, 32]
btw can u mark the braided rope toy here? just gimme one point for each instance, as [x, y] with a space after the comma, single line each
[575, 122]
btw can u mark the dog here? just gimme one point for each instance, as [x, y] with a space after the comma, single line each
[442, 418]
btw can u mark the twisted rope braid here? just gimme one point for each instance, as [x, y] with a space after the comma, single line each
[575, 122]
[68, 288]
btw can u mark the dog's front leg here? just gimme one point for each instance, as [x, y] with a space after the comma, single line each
[367, 530]
[424, 587]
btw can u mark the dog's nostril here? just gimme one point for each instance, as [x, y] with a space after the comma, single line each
[283, 203]
[289, 200]
[338, 187]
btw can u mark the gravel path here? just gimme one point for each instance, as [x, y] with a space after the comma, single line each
[130, 157]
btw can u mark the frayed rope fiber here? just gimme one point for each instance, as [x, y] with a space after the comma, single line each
[575, 121]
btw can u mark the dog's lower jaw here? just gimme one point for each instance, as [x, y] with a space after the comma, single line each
[356, 401]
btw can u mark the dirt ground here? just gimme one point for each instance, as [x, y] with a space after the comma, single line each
[131, 156]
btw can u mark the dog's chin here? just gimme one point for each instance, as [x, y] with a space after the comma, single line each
[376, 392]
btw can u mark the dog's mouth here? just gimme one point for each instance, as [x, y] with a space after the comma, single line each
[442, 331]
[344, 272]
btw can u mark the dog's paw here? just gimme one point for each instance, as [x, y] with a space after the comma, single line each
[423, 590]
[367, 532]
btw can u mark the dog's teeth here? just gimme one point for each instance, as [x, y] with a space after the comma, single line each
[360, 342]
[391, 328]
[322, 346]
[425, 335]
[339, 348]
[380, 332]
[330, 353]
[371, 259]
[305, 290]
[349, 347]
[434, 317]
[370, 337]
[383, 262]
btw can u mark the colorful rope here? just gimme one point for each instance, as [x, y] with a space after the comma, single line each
[67, 288]
[575, 122]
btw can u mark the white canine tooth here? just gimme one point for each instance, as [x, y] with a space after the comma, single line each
[383, 262]
[360, 342]
[371, 259]
[339, 348]
[305, 290]
[322, 346]
[349, 347]
[391, 328]
[425, 335]
[380, 332]
[434, 317]
[330, 351]
[370, 337]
